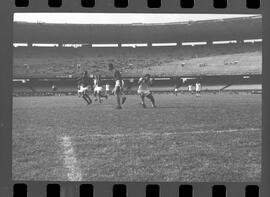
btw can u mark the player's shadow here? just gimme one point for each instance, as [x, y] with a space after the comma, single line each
[168, 107]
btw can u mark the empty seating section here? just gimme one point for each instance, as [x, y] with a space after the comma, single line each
[226, 59]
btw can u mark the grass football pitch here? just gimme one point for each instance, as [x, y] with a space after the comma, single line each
[215, 137]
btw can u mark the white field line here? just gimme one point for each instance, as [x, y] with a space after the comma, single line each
[70, 161]
[166, 133]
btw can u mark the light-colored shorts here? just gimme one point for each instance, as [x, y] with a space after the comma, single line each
[117, 83]
[98, 89]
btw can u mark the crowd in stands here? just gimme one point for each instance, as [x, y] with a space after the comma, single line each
[158, 61]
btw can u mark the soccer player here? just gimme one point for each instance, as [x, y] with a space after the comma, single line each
[178, 83]
[198, 88]
[190, 88]
[79, 91]
[85, 83]
[107, 89]
[98, 88]
[118, 89]
[55, 90]
[143, 90]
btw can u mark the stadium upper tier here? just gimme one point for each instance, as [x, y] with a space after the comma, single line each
[227, 59]
[192, 31]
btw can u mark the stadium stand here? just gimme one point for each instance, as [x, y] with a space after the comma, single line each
[222, 59]
[220, 29]
[218, 66]
[240, 58]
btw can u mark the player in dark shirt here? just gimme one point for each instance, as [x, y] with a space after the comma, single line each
[118, 89]
[85, 83]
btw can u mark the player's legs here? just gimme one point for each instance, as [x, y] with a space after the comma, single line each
[191, 90]
[124, 98]
[100, 96]
[198, 93]
[104, 96]
[107, 91]
[142, 96]
[86, 97]
[79, 91]
[95, 93]
[89, 99]
[118, 97]
[82, 92]
[151, 98]
[98, 93]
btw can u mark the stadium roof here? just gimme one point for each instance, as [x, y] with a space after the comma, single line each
[196, 31]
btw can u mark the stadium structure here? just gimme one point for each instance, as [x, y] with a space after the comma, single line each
[223, 52]
[210, 134]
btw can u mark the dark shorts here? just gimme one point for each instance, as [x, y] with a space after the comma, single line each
[117, 90]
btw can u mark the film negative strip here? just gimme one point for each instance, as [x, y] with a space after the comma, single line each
[134, 98]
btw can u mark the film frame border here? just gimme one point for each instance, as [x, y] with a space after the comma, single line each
[7, 8]
[156, 189]
[251, 4]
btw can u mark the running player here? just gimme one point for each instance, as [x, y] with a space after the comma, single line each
[118, 89]
[178, 84]
[85, 84]
[98, 90]
[143, 90]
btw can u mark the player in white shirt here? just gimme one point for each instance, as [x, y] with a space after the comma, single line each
[107, 88]
[190, 88]
[98, 89]
[143, 90]
[79, 92]
[82, 90]
[198, 88]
